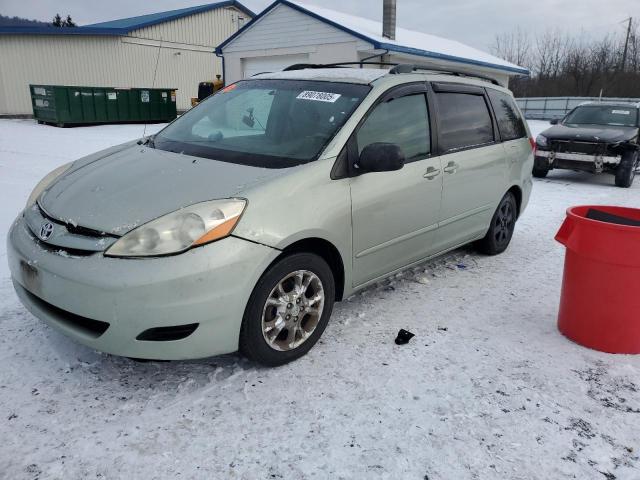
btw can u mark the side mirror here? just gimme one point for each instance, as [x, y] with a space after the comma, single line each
[554, 121]
[381, 157]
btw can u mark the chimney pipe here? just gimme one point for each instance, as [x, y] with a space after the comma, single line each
[389, 19]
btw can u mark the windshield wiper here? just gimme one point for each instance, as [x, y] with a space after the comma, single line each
[147, 141]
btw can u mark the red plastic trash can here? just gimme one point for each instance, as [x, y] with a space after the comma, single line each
[600, 301]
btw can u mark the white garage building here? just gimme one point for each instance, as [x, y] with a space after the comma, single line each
[289, 32]
[119, 53]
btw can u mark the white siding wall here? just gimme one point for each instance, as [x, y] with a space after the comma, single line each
[207, 29]
[186, 58]
[285, 31]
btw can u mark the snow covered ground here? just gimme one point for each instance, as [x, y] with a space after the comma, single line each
[488, 388]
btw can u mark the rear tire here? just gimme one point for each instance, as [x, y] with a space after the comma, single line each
[502, 226]
[626, 171]
[284, 318]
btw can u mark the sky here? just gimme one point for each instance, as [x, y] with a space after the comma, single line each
[474, 22]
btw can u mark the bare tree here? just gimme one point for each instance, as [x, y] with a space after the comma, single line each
[514, 47]
[572, 65]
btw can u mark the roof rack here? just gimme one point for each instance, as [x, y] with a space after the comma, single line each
[396, 68]
[302, 66]
[410, 68]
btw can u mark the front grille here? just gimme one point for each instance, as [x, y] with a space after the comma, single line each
[587, 148]
[88, 326]
[75, 229]
[63, 251]
[67, 239]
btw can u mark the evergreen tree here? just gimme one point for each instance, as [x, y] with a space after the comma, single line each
[68, 22]
[57, 20]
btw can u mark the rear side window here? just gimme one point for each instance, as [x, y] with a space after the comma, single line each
[403, 121]
[464, 121]
[510, 122]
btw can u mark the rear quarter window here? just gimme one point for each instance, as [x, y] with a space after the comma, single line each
[464, 121]
[510, 123]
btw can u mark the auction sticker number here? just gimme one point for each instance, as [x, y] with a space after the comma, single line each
[319, 96]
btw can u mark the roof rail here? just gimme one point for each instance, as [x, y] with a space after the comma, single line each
[396, 68]
[302, 66]
[410, 68]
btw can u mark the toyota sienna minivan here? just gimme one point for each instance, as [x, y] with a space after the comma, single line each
[238, 225]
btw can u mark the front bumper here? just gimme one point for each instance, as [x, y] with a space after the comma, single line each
[576, 161]
[209, 285]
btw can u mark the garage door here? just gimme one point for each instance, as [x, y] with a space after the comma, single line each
[254, 65]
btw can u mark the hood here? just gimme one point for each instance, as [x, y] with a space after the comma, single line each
[132, 186]
[591, 133]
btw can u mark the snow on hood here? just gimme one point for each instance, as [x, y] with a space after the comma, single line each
[135, 185]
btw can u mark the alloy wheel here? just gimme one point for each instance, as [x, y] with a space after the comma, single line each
[292, 310]
[504, 223]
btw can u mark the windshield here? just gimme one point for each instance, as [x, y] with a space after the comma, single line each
[264, 123]
[604, 115]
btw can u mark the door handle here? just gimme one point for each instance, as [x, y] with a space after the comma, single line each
[431, 173]
[451, 168]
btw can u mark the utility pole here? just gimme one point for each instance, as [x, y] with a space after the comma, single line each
[626, 45]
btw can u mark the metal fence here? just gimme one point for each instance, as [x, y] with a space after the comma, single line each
[547, 108]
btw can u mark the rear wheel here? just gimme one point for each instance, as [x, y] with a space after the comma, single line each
[288, 310]
[502, 226]
[626, 171]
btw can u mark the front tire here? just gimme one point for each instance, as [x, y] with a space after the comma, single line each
[288, 310]
[540, 168]
[502, 226]
[540, 172]
[626, 171]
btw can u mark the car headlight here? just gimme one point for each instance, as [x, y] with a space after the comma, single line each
[181, 230]
[541, 140]
[45, 182]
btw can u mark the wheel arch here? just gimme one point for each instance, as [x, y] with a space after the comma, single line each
[327, 251]
[517, 193]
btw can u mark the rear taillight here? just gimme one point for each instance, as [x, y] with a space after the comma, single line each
[533, 143]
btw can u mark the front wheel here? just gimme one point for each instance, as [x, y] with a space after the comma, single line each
[540, 168]
[626, 171]
[540, 172]
[502, 226]
[288, 310]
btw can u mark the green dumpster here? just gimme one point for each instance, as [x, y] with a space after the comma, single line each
[63, 105]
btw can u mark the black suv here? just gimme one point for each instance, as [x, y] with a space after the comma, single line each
[594, 137]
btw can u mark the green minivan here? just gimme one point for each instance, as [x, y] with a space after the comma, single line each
[238, 225]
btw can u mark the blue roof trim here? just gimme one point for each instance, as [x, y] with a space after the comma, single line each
[443, 56]
[142, 21]
[376, 44]
[125, 25]
[61, 31]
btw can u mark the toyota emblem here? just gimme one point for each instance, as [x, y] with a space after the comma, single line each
[46, 229]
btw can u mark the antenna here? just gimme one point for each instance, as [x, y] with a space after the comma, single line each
[153, 83]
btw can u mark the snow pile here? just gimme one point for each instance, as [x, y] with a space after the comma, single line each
[487, 389]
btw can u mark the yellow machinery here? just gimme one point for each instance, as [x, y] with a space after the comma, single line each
[207, 88]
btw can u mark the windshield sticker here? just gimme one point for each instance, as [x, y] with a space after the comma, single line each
[319, 96]
[229, 88]
[621, 112]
